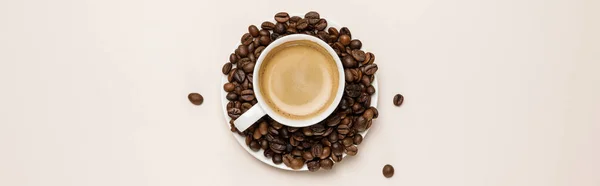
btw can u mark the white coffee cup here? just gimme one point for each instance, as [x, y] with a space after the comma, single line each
[261, 108]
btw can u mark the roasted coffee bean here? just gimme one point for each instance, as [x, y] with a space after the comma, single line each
[297, 152]
[333, 120]
[375, 112]
[306, 145]
[321, 25]
[273, 131]
[368, 114]
[302, 24]
[348, 74]
[298, 136]
[398, 99]
[243, 62]
[343, 129]
[307, 155]
[351, 150]
[265, 40]
[326, 152]
[195, 98]
[358, 55]
[256, 135]
[345, 31]
[248, 140]
[231, 96]
[345, 39]
[284, 133]
[357, 139]
[254, 146]
[370, 69]
[369, 58]
[307, 132]
[233, 58]
[333, 137]
[346, 121]
[226, 68]
[242, 51]
[355, 44]
[274, 36]
[277, 147]
[312, 16]
[353, 90]
[234, 104]
[258, 51]
[291, 29]
[363, 97]
[349, 62]
[333, 31]
[280, 28]
[267, 25]
[253, 31]
[292, 129]
[268, 153]
[317, 150]
[264, 33]
[263, 128]
[293, 142]
[365, 80]
[239, 76]
[328, 131]
[337, 149]
[326, 164]
[388, 171]
[326, 142]
[339, 46]
[246, 39]
[245, 107]
[276, 125]
[348, 141]
[248, 67]
[313, 166]
[297, 163]
[295, 18]
[277, 159]
[250, 49]
[370, 90]
[228, 87]
[282, 17]
[361, 123]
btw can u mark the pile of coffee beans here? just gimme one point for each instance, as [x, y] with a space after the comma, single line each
[321, 145]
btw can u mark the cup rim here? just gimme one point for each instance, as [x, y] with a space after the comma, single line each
[297, 122]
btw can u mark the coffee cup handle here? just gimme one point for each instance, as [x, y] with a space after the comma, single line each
[249, 117]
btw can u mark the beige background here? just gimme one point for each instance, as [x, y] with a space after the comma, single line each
[497, 92]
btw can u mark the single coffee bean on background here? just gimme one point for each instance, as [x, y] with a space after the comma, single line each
[370, 69]
[226, 68]
[253, 30]
[267, 25]
[388, 171]
[282, 17]
[398, 99]
[196, 98]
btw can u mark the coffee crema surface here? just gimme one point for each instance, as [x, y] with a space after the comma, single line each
[298, 79]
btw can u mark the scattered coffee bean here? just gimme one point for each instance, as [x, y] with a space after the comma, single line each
[248, 67]
[388, 171]
[371, 90]
[239, 76]
[228, 87]
[231, 96]
[196, 98]
[242, 51]
[246, 39]
[277, 159]
[295, 18]
[312, 17]
[358, 55]
[282, 17]
[370, 69]
[302, 24]
[348, 62]
[345, 31]
[348, 141]
[253, 31]
[227, 68]
[265, 40]
[247, 95]
[398, 99]
[297, 163]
